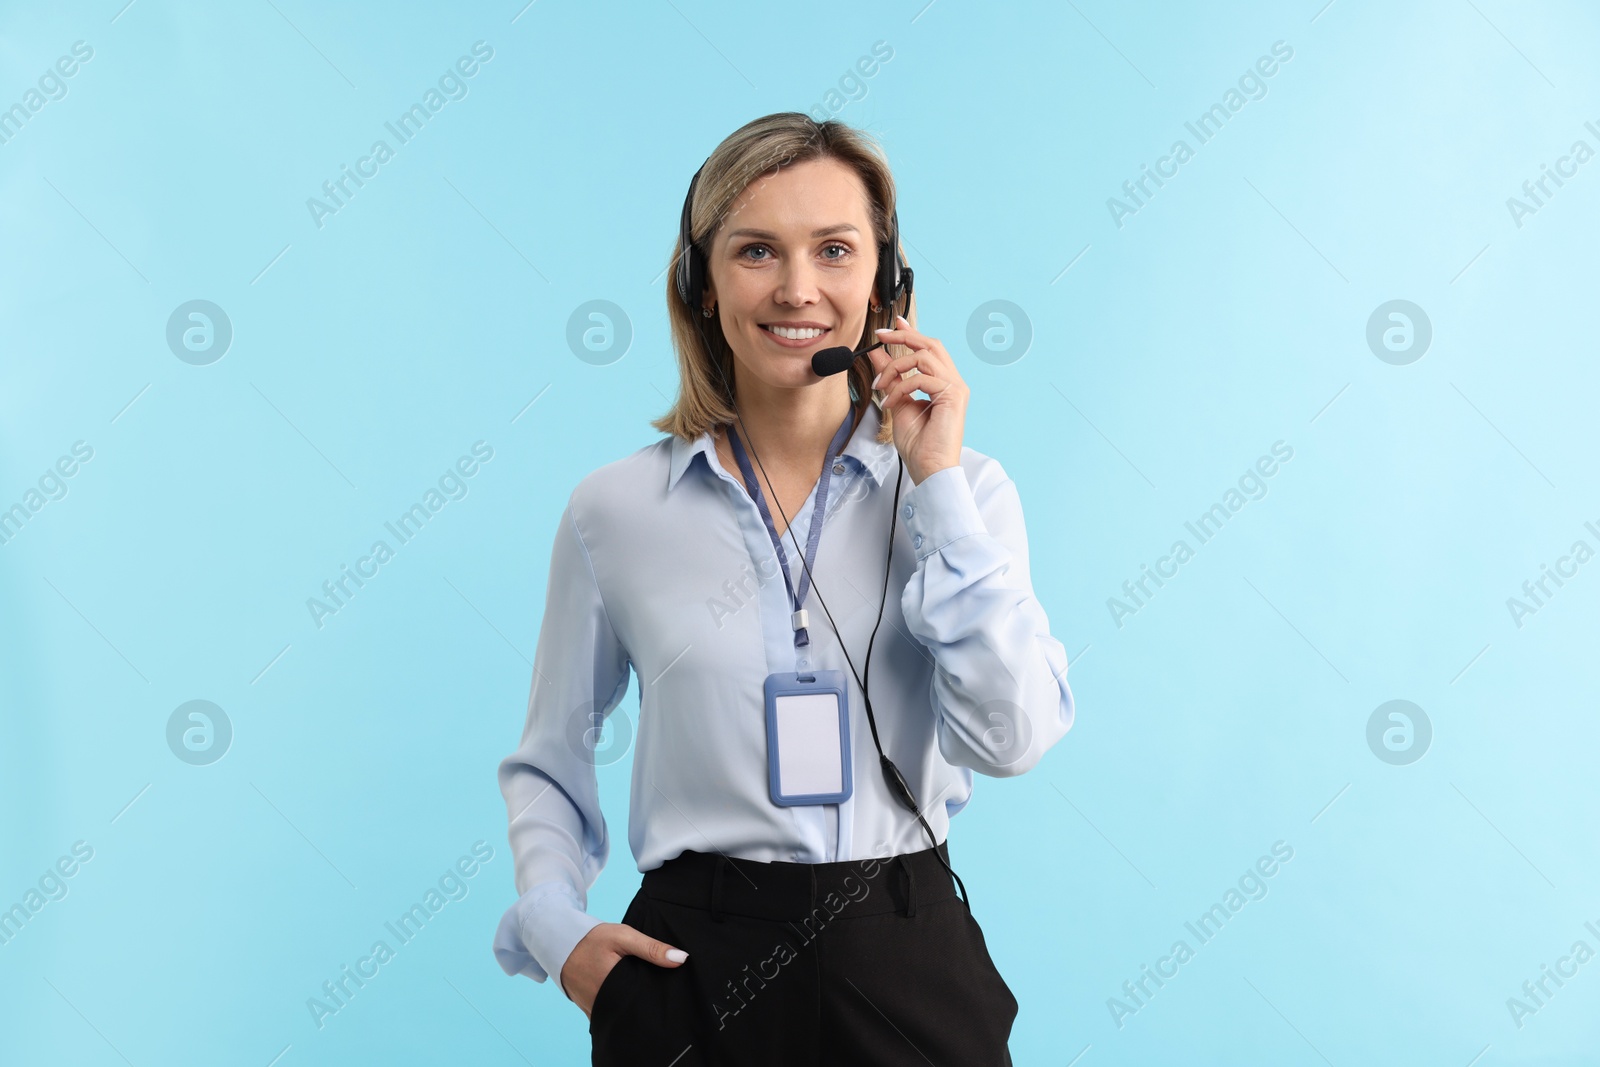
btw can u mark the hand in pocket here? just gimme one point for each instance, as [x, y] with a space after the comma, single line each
[593, 958]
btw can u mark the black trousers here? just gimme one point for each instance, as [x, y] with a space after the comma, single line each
[853, 963]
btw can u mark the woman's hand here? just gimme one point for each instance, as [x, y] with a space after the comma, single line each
[593, 957]
[927, 432]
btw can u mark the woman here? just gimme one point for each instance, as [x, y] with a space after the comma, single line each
[795, 906]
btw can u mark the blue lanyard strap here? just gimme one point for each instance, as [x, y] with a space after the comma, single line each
[801, 637]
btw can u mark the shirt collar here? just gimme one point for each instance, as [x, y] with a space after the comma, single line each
[870, 455]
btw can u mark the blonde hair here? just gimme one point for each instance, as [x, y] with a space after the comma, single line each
[756, 148]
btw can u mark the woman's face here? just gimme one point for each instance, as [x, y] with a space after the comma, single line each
[795, 255]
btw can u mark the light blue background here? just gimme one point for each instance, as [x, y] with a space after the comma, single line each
[1228, 714]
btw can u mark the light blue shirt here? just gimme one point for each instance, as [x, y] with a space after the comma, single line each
[662, 564]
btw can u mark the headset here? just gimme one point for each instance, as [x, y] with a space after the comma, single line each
[894, 279]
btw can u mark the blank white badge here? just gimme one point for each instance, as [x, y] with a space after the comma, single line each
[810, 758]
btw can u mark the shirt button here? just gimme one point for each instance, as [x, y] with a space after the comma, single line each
[838, 468]
[907, 511]
[916, 541]
[804, 663]
[795, 856]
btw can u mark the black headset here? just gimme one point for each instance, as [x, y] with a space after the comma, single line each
[894, 277]
[894, 280]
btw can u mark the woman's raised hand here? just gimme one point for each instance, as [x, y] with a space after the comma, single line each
[927, 432]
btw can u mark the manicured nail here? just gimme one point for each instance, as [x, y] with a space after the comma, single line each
[884, 329]
[677, 955]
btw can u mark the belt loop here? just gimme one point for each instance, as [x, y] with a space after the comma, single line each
[911, 887]
[716, 887]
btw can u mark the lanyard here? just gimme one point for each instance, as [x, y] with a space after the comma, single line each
[798, 619]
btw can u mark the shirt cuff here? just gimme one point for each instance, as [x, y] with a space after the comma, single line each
[539, 932]
[940, 509]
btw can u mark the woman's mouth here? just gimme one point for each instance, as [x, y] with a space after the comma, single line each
[794, 336]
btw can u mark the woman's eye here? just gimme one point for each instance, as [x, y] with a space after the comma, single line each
[758, 252]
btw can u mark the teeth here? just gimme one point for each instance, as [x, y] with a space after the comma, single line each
[802, 334]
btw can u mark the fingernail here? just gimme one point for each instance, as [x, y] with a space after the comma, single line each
[902, 318]
[884, 329]
[877, 383]
[677, 955]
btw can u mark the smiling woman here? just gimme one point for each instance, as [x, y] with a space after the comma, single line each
[798, 904]
[825, 197]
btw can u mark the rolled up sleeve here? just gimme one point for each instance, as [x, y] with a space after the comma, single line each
[999, 684]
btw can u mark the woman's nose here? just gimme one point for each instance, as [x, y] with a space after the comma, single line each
[797, 284]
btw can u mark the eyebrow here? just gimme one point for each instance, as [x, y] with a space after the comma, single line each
[826, 231]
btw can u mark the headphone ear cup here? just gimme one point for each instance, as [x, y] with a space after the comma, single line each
[690, 278]
[893, 276]
[690, 272]
[884, 284]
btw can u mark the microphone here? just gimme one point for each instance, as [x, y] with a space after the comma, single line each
[833, 360]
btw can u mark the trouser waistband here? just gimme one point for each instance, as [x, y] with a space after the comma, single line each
[726, 885]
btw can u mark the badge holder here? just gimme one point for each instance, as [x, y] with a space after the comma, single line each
[808, 738]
